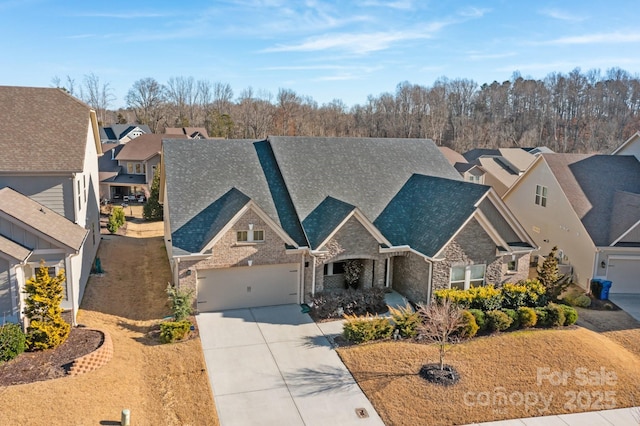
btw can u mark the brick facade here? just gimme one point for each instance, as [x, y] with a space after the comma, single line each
[411, 276]
[228, 252]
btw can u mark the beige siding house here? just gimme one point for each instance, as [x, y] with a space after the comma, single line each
[589, 207]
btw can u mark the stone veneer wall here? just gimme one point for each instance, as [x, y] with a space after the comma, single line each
[94, 360]
[471, 246]
[227, 252]
[352, 241]
[522, 268]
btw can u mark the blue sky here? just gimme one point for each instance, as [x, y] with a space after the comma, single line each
[323, 49]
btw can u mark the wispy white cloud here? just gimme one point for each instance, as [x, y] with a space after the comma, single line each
[398, 4]
[598, 38]
[473, 12]
[122, 15]
[481, 56]
[562, 15]
[359, 43]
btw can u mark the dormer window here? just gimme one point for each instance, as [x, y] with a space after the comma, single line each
[136, 168]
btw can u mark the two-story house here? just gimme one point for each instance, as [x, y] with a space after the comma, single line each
[49, 207]
[122, 133]
[127, 170]
[589, 207]
[498, 168]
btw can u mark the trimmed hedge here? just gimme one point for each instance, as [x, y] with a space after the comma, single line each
[527, 317]
[570, 315]
[481, 319]
[488, 298]
[171, 331]
[470, 327]
[556, 315]
[515, 319]
[365, 329]
[498, 320]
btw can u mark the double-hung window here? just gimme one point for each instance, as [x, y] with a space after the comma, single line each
[541, 195]
[465, 276]
[250, 236]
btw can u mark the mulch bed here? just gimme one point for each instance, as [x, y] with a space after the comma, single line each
[50, 364]
[446, 377]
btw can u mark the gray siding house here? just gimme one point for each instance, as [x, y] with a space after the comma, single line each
[49, 207]
[254, 223]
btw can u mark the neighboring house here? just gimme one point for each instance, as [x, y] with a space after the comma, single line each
[49, 198]
[122, 133]
[630, 147]
[128, 169]
[498, 168]
[589, 207]
[271, 222]
[189, 132]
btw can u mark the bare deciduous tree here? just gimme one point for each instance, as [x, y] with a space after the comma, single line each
[440, 326]
[147, 97]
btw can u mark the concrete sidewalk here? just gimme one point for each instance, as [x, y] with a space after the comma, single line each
[273, 366]
[617, 417]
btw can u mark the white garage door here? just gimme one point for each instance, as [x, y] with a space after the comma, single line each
[624, 275]
[248, 286]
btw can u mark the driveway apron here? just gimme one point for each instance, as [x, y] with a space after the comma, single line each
[273, 366]
[630, 303]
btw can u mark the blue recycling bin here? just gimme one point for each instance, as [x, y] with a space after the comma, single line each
[604, 293]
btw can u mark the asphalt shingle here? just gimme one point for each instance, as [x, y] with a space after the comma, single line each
[427, 211]
[45, 129]
[39, 217]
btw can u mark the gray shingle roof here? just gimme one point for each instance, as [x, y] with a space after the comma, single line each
[427, 212]
[364, 172]
[44, 129]
[626, 213]
[415, 196]
[324, 219]
[118, 131]
[39, 217]
[590, 183]
[194, 235]
[198, 172]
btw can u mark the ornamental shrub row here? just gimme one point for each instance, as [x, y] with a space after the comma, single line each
[405, 322]
[529, 293]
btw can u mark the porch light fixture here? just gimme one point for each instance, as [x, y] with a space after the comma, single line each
[188, 272]
[603, 264]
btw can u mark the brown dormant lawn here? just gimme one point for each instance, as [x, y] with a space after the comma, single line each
[160, 384]
[510, 375]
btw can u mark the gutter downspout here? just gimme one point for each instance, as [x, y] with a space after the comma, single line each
[313, 275]
[430, 287]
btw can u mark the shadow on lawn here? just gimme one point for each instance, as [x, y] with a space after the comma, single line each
[336, 379]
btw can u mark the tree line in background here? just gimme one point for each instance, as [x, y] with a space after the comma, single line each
[575, 112]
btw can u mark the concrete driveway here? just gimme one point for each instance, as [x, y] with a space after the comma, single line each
[630, 303]
[273, 366]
